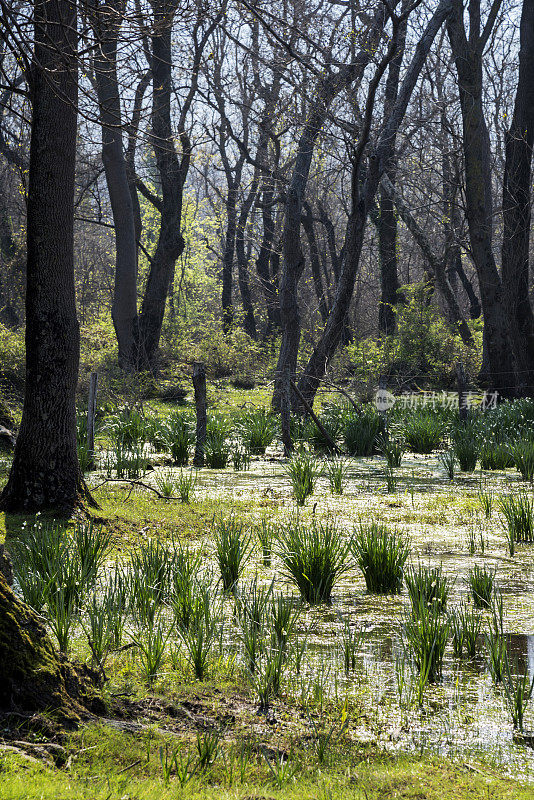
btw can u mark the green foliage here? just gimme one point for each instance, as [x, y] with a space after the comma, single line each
[336, 470]
[523, 455]
[391, 448]
[424, 430]
[233, 547]
[466, 445]
[258, 430]
[425, 635]
[481, 582]
[466, 625]
[424, 348]
[518, 512]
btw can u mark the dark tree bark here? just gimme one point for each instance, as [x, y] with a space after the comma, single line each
[228, 258]
[172, 173]
[387, 221]
[45, 472]
[249, 322]
[516, 209]
[106, 21]
[172, 170]
[307, 224]
[467, 54]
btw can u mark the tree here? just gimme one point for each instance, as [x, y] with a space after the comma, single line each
[516, 209]
[467, 50]
[45, 472]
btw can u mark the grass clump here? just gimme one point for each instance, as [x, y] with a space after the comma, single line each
[258, 430]
[336, 470]
[233, 547]
[523, 455]
[392, 449]
[303, 473]
[315, 556]
[381, 555]
[466, 625]
[427, 585]
[361, 431]
[481, 581]
[466, 446]
[518, 512]
[424, 431]
[425, 635]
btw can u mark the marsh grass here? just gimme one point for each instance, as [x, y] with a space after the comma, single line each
[495, 640]
[466, 627]
[258, 430]
[518, 690]
[360, 433]
[423, 431]
[447, 459]
[303, 472]
[315, 556]
[427, 585]
[233, 548]
[266, 533]
[522, 453]
[336, 470]
[466, 446]
[381, 554]
[425, 635]
[481, 582]
[518, 512]
[392, 449]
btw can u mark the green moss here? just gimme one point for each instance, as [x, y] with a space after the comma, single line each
[33, 677]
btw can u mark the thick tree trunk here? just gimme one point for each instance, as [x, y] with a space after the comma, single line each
[172, 173]
[516, 209]
[124, 307]
[479, 204]
[45, 471]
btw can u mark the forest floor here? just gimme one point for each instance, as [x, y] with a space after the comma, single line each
[328, 735]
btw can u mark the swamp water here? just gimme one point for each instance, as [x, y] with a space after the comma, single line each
[465, 715]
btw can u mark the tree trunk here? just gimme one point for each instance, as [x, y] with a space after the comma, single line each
[516, 209]
[249, 322]
[124, 307]
[45, 472]
[228, 259]
[170, 243]
[467, 55]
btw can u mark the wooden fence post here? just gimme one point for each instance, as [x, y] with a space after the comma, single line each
[91, 414]
[199, 385]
